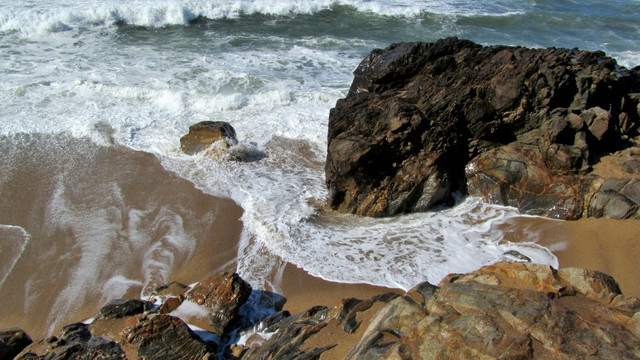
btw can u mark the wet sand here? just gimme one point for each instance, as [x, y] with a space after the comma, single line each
[84, 225]
[304, 291]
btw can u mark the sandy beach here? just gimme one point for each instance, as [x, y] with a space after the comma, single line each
[71, 260]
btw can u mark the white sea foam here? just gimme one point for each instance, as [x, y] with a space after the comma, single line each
[70, 15]
[117, 286]
[14, 242]
[189, 309]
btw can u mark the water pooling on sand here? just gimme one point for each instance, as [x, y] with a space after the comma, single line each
[75, 73]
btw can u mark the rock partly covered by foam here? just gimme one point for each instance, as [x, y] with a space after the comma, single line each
[508, 310]
[222, 295]
[516, 126]
[205, 133]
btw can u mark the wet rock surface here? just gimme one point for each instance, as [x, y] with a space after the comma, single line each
[120, 308]
[135, 329]
[205, 133]
[75, 342]
[516, 126]
[222, 295]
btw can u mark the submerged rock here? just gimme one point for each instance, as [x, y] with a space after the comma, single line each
[516, 126]
[205, 133]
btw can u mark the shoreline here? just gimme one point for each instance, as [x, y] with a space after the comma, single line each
[605, 245]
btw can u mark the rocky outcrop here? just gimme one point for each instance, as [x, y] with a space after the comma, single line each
[516, 126]
[12, 341]
[508, 310]
[205, 133]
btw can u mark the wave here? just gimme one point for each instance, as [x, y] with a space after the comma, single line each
[67, 15]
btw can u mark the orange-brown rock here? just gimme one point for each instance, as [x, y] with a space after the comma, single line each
[222, 295]
[169, 305]
[503, 311]
[205, 133]
[511, 311]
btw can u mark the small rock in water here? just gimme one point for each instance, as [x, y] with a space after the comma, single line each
[205, 133]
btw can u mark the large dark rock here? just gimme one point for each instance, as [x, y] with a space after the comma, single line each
[417, 114]
[12, 342]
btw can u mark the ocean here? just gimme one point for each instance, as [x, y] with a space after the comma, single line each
[99, 202]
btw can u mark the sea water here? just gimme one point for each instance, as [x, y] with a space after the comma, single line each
[87, 87]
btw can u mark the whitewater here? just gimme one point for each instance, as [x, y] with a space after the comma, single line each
[83, 76]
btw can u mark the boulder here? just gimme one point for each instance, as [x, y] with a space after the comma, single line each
[418, 114]
[510, 310]
[222, 295]
[162, 337]
[12, 342]
[205, 133]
